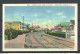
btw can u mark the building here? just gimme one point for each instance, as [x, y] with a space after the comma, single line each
[69, 28]
[7, 25]
[23, 26]
[72, 23]
[17, 25]
[70, 32]
[37, 28]
[57, 28]
[64, 26]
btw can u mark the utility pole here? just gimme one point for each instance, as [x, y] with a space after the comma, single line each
[23, 24]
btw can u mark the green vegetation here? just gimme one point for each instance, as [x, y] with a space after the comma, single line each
[34, 30]
[59, 34]
[6, 37]
[26, 35]
[25, 46]
[14, 33]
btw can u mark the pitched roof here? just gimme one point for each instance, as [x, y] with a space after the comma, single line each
[72, 22]
[65, 23]
[14, 22]
[32, 27]
[58, 26]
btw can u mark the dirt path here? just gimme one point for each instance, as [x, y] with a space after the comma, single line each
[18, 42]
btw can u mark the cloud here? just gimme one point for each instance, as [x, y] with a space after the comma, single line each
[63, 16]
[59, 13]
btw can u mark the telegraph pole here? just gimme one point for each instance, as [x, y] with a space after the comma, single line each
[23, 24]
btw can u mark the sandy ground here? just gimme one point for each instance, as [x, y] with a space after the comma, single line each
[18, 42]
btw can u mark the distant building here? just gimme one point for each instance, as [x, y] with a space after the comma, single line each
[72, 23]
[37, 28]
[68, 27]
[57, 28]
[17, 25]
[64, 26]
[70, 32]
[23, 26]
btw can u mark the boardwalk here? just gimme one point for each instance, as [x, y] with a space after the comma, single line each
[18, 42]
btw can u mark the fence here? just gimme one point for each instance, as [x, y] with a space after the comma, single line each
[69, 33]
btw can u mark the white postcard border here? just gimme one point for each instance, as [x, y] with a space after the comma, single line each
[43, 4]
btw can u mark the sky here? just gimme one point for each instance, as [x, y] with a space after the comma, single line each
[40, 15]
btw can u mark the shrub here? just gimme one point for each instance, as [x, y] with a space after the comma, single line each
[6, 37]
[14, 33]
[26, 35]
[59, 34]
[25, 46]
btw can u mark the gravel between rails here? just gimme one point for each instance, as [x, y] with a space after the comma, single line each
[54, 46]
[35, 44]
[39, 41]
[61, 42]
[60, 45]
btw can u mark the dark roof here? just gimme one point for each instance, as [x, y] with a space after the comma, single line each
[72, 21]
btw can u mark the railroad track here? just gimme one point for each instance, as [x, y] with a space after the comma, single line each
[59, 42]
[58, 38]
[39, 41]
[55, 46]
[29, 40]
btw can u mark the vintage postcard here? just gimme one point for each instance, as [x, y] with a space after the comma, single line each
[40, 27]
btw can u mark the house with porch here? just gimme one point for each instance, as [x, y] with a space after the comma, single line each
[17, 25]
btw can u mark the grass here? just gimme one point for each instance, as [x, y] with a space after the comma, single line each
[25, 46]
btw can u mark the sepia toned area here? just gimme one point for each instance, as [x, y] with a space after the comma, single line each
[39, 27]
